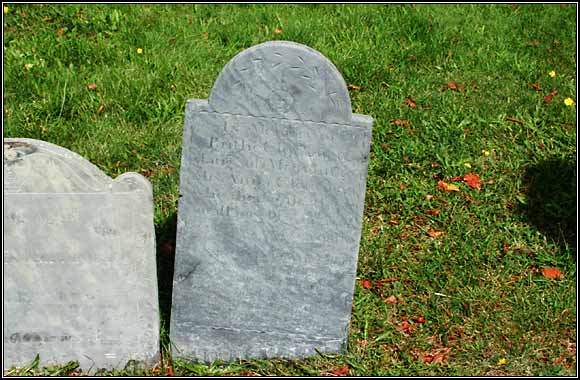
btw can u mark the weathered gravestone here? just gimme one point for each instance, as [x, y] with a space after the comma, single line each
[273, 180]
[80, 278]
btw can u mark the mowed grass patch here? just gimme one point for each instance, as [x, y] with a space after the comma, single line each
[450, 283]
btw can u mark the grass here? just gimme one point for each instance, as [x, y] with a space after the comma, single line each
[469, 299]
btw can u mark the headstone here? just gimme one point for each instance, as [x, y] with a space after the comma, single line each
[273, 178]
[80, 280]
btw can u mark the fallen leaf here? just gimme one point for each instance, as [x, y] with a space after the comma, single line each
[363, 343]
[402, 187]
[447, 187]
[366, 284]
[23, 14]
[92, 86]
[47, 19]
[435, 233]
[393, 222]
[454, 179]
[462, 89]
[433, 212]
[341, 372]
[402, 123]
[452, 85]
[514, 120]
[170, 371]
[536, 86]
[277, 30]
[405, 327]
[420, 320]
[411, 102]
[391, 300]
[552, 273]
[505, 246]
[472, 180]
[147, 173]
[60, 32]
[353, 86]
[168, 169]
[101, 108]
[548, 98]
[428, 197]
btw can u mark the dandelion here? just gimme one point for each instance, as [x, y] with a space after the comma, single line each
[569, 102]
[485, 153]
[502, 361]
[467, 165]
[5, 10]
[139, 51]
[552, 73]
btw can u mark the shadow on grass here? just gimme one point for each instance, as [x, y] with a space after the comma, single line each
[551, 207]
[165, 234]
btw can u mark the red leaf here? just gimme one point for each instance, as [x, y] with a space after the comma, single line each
[405, 327]
[548, 98]
[420, 320]
[411, 102]
[458, 178]
[340, 372]
[514, 120]
[473, 181]
[433, 212]
[391, 300]
[505, 247]
[552, 273]
[452, 85]
[366, 284]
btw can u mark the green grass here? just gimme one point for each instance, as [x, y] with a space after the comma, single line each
[478, 286]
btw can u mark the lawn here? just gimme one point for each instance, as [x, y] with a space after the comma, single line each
[453, 278]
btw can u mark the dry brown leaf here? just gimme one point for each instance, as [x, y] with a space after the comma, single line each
[434, 233]
[92, 86]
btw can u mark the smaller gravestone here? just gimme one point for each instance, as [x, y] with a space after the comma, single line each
[273, 178]
[79, 261]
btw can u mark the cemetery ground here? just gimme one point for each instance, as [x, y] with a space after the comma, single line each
[467, 261]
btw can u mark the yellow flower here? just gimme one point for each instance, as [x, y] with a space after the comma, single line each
[552, 73]
[5, 9]
[485, 153]
[467, 165]
[569, 102]
[139, 51]
[502, 361]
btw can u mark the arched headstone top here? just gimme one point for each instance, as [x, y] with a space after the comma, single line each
[282, 79]
[35, 166]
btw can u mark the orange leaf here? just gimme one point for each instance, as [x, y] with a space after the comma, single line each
[411, 102]
[391, 300]
[366, 284]
[514, 120]
[393, 222]
[552, 273]
[548, 98]
[434, 212]
[92, 86]
[277, 30]
[340, 372]
[473, 181]
[505, 247]
[458, 178]
[402, 186]
[168, 169]
[170, 371]
[353, 86]
[435, 233]
[536, 86]
[452, 85]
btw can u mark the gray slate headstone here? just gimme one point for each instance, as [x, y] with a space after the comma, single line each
[273, 178]
[80, 279]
